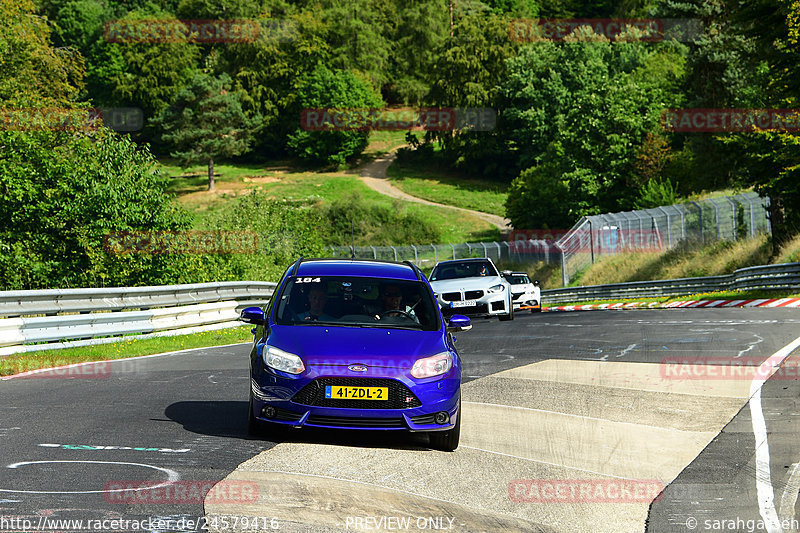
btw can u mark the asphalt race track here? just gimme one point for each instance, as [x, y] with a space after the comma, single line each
[572, 422]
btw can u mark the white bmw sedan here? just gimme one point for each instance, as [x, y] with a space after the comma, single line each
[472, 287]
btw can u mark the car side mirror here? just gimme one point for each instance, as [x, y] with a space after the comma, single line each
[536, 282]
[252, 315]
[458, 323]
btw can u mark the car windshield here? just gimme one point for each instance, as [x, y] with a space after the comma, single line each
[462, 269]
[358, 302]
[518, 279]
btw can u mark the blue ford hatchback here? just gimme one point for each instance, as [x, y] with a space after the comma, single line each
[355, 344]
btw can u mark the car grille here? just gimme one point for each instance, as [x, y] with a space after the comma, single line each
[400, 397]
[424, 419]
[355, 422]
[452, 296]
[473, 295]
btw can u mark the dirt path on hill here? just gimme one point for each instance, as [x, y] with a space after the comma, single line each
[374, 176]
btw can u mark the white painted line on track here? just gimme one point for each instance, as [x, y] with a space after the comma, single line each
[172, 477]
[764, 489]
[789, 498]
[73, 365]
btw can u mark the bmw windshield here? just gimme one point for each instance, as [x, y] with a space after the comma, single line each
[462, 269]
[357, 302]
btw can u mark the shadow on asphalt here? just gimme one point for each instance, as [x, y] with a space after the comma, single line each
[229, 419]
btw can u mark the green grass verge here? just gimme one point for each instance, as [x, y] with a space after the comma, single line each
[130, 346]
[436, 186]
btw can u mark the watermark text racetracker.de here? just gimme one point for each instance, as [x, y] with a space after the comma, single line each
[647, 30]
[722, 368]
[152, 30]
[181, 242]
[584, 490]
[730, 120]
[387, 119]
[43, 522]
[123, 119]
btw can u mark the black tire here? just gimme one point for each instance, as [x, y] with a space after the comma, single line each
[447, 441]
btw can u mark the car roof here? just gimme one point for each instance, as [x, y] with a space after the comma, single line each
[356, 267]
[467, 260]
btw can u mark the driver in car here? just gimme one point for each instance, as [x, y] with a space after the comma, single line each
[391, 298]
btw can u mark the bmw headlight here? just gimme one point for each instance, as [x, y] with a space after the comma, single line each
[287, 362]
[438, 364]
[496, 288]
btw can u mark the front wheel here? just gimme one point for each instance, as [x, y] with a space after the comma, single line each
[447, 441]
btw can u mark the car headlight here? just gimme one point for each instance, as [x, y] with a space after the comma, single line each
[284, 361]
[496, 288]
[438, 364]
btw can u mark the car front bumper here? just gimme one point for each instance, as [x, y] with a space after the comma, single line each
[282, 394]
[488, 305]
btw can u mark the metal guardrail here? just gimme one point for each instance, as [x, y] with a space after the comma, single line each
[52, 301]
[782, 276]
[109, 313]
[103, 315]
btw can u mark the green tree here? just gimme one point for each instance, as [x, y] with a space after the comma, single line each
[62, 193]
[32, 72]
[147, 75]
[770, 160]
[341, 90]
[205, 122]
[581, 111]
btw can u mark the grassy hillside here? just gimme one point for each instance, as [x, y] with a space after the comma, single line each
[714, 259]
[449, 189]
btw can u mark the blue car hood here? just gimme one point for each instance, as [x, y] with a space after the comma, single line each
[335, 346]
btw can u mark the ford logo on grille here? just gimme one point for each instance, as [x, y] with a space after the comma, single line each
[357, 368]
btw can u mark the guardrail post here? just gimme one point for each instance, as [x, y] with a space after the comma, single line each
[485, 253]
[454, 250]
[435, 259]
[591, 238]
[752, 218]
[416, 258]
[499, 253]
[395, 252]
[374, 252]
[508, 250]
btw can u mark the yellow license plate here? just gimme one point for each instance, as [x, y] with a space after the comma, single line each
[338, 392]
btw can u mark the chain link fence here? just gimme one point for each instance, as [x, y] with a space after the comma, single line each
[658, 229]
[661, 228]
[427, 255]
